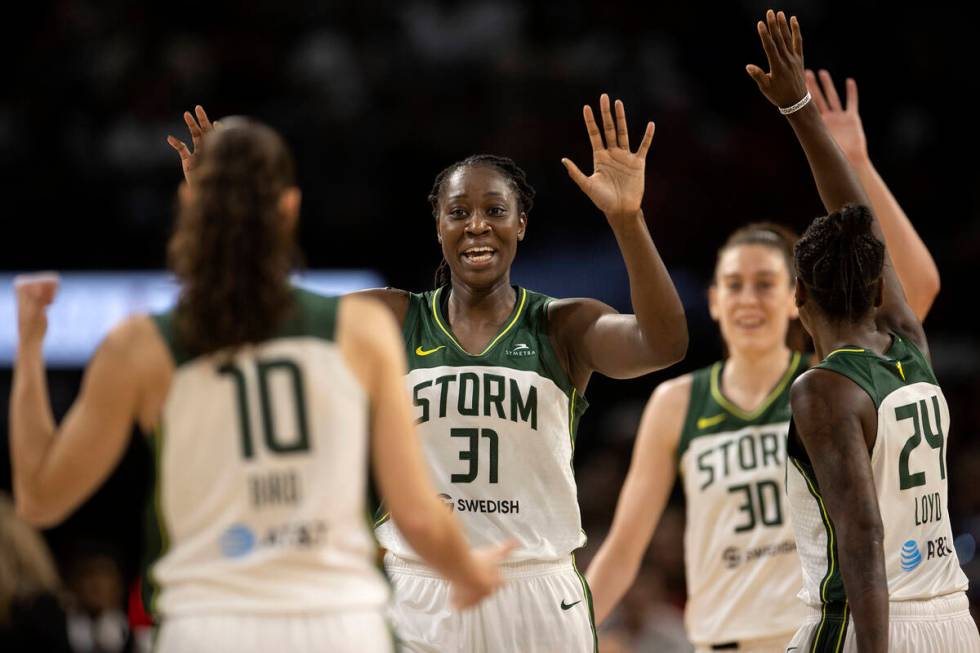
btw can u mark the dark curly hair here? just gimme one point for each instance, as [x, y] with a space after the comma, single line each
[229, 250]
[840, 262]
[515, 176]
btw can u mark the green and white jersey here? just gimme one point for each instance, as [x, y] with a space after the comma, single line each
[497, 429]
[260, 501]
[908, 462]
[742, 570]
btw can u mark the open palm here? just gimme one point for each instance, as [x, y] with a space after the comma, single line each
[198, 125]
[617, 181]
[843, 121]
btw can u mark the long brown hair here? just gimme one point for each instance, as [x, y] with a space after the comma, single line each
[230, 251]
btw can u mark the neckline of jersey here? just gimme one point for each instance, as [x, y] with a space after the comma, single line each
[512, 320]
[886, 356]
[749, 415]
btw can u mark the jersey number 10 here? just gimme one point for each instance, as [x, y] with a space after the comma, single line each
[271, 437]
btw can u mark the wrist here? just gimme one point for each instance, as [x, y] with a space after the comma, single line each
[625, 217]
[30, 347]
[860, 160]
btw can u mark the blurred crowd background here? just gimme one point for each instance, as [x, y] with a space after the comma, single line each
[375, 98]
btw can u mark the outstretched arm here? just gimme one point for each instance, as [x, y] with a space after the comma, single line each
[914, 264]
[595, 336]
[56, 467]
[376, 356]
[785, 85]
[832, 416]
[643, 497]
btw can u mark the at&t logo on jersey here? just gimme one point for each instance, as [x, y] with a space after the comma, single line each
[237, 541]
[240, 540]
[911, 557]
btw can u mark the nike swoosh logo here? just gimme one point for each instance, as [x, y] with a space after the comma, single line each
[425, 352]
[570, 605]
[705, 422]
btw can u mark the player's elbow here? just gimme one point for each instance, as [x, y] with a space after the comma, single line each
[419, 525]
[34, 511]
[671, 350]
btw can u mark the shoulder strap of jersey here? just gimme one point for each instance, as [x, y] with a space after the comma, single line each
[314, 315]
[698, 405]
[165, 325]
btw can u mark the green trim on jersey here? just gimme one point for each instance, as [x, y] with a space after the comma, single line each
[834, 612]
[523, 343]
[511, 321]
[709, 412]
[879, 376]
[588, 597]
[157, 542]
[313, 316]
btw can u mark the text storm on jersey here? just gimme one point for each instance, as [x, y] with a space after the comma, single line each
[484, 394]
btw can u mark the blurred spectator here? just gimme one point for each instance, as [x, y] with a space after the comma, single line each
[97, 622]
[31, 616]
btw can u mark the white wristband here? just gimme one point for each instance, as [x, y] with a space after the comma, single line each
[796, 107]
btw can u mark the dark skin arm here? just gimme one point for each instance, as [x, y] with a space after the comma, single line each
[784, 85]
[837, 424]
[590, 335]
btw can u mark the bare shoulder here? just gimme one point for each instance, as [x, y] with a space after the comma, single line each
[820, 394]
[663, 417]
[361, 316]
[136, 339]
[394, 299]
[674, 393]
[572, 309]
[367, 335]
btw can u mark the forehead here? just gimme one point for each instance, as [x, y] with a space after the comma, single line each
[477, 181]
[751, 259]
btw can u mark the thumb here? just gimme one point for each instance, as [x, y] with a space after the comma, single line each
[756, 73]
[577, 176]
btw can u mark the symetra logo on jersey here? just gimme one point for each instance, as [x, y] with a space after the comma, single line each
[520, 349]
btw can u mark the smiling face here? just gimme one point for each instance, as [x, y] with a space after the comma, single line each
[752, 298]
[479, 223]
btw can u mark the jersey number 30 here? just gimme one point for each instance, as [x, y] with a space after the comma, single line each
[272, 438]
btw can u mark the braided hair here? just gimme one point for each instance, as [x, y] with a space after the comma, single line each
[505, 166]
[840, 262]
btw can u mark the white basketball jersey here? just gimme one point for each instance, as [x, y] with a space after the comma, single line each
[743, 573]
[498, 431]
[908, 462]
[260, 499]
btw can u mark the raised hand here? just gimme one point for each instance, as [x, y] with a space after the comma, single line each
[843, 123]
[616, 183]
[34, 293]
[784, 85]
[198, 126]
